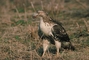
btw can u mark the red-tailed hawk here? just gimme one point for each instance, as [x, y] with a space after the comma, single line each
[51, 31]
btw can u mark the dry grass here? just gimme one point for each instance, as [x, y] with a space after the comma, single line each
[18, 30]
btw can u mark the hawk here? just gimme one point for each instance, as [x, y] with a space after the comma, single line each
[51, 31]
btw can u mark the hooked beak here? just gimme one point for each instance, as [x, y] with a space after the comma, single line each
[34, 15]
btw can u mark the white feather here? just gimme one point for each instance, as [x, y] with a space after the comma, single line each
[46, 27]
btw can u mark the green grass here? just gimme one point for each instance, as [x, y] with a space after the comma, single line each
[17, 37]
[21, 10]
[20, 22]
[17, 41]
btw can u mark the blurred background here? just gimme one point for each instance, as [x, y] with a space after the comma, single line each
[18, 30]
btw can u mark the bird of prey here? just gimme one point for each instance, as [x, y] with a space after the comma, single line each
[51, 31]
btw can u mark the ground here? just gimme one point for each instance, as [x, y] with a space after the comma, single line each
[18, 30]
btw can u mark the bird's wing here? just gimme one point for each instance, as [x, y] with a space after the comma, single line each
[60, 33]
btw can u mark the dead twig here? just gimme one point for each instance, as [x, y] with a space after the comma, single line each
[84, 6]
[33, 6]
[17, 12]
[42, 7]
[86, 25]
[78, 27]
[25, 14]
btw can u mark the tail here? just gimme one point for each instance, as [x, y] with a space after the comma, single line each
[68, 45]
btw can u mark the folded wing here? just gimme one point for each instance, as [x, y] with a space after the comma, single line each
[60, 33]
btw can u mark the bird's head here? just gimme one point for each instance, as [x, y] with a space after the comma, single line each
[39, 14]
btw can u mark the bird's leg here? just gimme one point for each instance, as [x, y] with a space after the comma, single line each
[58, 46]
[45, 46]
